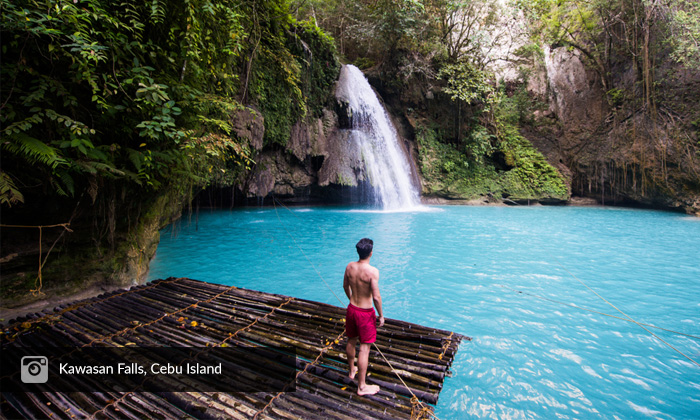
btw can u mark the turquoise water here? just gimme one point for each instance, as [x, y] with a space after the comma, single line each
[456, 267]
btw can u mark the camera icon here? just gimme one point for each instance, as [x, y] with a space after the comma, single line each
[35, 369]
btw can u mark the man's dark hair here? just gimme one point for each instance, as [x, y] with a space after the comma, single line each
[364, 248]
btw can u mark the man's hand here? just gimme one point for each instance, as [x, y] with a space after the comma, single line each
[381, 321]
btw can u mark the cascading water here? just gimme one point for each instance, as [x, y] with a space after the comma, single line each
[386, 165]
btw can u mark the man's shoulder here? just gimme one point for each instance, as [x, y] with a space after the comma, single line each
[374, 271]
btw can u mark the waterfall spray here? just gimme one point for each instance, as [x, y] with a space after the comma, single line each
[372, 132]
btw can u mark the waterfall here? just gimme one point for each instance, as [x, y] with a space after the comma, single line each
[386, 165]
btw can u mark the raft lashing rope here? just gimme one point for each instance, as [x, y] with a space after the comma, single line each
[187, 313]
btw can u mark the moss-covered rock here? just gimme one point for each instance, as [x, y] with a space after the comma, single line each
[513, 169]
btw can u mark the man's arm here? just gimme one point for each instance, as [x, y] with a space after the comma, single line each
[346, 285]
[377, 297]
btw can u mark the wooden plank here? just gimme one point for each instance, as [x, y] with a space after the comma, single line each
[160, 313]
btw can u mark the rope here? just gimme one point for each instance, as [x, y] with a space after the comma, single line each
[420, 411]
[323, 351]
[424, 408]
[120, 332]
[55, 316]
[414, 399]
[446, 346]
[38, 283]
[595, 312]
[37, 288]
[194, 305]
[628, 317]
[208, 349]
[235, 334]
[63, 225]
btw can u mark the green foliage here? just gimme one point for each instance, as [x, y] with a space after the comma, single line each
[560, 20]
[532, 176]
[615, 96]
[531, 51]
[364, 63]
[517, 108]
[685, 26]
[292, 68]
[276, 86]
[105, 90]
[319, 64]
[441, 164]
[471, 173]
[401, 22]
[480, 145]
[467, 83]
[9, 194]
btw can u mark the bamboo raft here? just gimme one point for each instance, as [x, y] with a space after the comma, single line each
[189, 313]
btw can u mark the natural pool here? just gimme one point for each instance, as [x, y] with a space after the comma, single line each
[460, 268]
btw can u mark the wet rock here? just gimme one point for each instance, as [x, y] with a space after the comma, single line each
[344, 113]
[249, 124]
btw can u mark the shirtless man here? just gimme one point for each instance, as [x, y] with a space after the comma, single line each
[361, 284]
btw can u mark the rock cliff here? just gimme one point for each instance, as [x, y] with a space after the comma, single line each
[617, 151]
[318, 164]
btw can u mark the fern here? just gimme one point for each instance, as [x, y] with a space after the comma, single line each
[9, 194]
[33, 150]
[157, 11]
[92, 167]
[133, 19]
[64, 184]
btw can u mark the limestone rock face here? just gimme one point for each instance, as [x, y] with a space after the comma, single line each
[311, 138]
[344, 165]
[317, 160]
[250, 125]
[576, 97]
[617, 152]
[277, 173]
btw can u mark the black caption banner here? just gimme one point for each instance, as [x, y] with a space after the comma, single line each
[147, 369]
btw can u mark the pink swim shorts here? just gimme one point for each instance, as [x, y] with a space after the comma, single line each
[361, 322]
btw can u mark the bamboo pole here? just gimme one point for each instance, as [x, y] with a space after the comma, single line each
[160, 313]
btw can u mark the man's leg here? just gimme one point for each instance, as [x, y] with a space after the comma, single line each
[350, 350]
[362, 362]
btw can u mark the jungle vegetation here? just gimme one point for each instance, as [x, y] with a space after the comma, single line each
[115, 113]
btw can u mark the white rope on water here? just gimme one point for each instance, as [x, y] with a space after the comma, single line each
[595, 312]
[627, 316]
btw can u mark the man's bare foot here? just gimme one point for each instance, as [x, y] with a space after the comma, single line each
[368, 390]
[352, 373]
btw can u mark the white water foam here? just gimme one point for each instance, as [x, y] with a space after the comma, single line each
[386, 164]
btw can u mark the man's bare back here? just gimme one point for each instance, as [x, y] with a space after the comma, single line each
[362, 279]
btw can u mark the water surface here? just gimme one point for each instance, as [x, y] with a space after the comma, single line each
[462, 268]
